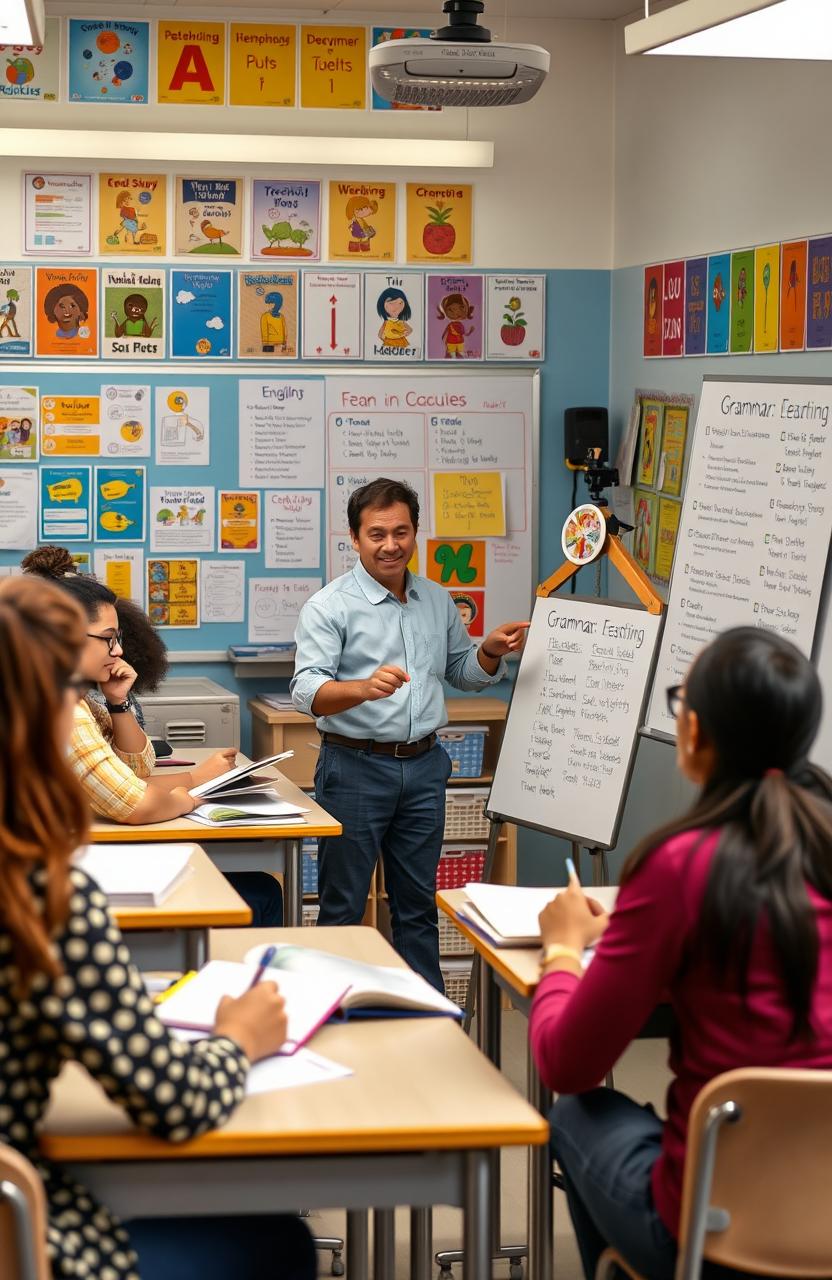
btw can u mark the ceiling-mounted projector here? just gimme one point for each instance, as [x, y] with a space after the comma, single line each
[459, 66]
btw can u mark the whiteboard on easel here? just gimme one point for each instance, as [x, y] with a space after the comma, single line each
[570, 737]
[756, 522]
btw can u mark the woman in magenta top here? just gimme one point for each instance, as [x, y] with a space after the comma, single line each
[725, 912]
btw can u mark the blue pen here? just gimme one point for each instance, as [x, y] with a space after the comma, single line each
[573, 875]
[265, 960]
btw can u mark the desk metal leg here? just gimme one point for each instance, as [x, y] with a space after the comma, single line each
[196, 948]
[358, 1244]
[600, 867]
[541, 1241]
[421, 1243]
[292, 884]
[384, 1244]
[477, 1231]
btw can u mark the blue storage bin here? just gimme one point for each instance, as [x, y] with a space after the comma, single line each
[465, 744]
[310, 866]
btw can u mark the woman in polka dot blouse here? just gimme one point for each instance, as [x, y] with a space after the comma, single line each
[68, 989]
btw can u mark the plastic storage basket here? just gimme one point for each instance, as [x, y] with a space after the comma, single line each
[451, 941]
[458, 867]
[464, 817]
[457, 978]
[310, 866]
[465, 744]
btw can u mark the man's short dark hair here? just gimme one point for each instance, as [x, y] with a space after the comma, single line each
[382, 494]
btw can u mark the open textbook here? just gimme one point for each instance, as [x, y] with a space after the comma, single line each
[507, 915]
[135, 875]
[230, 784]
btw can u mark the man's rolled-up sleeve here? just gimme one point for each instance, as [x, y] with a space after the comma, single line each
[319, 642]
[462, 669]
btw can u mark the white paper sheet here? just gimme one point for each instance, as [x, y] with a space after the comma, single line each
[183, 427]
[18, 509]
[223, 590]
[274, 605]
[293, 529]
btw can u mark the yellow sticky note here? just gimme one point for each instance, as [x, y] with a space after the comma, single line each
[439, 220]
[190, 62]
[766, 297]
[333, 67]
[468, 504]
[261, 59]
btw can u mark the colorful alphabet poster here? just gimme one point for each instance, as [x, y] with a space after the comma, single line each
[190, 62]
[742, 302]
[32, 72]
[15, 311]
[666, 535]
[380, 36]
[182, 518]
[394, 316]
[696, 291]
[200, 311]
[125, 421]
[285, 219]
[332, 315]
[108, 61]
[819, 294]
[455, 319]
[173, 592]
[653, 294]
[793, 263]
[132, 218]
[122, 571]
[18, 424]
[261, 64]
[66, 503]
[766, 296]
[57, 213]
[672, 456]
[516, 311]
[673, 309]
[439, 223]
[209, 216]
[239, 520]
[333, 67]
[70, 427]
[644, 534]
[362, 221]
[267, 315]
[66, 310]
[120, 504]
[650, 434]
[183, 426]
[456, 563]
[134, 313]
[719, 303]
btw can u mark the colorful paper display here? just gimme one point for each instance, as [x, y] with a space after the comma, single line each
[672, 457]
[333, 67]
[261, 58]
[668, 528]
[132, 217]
[469, 504]
[32, 72]
[742, 302]
[819, 294]
[455, 317]
[719, 303]
[134, 313]
[124, 412]
[652, 412]
[285, 219]
[673, 309]
[173, 592]
[439, 223]
[362, 221]
[516, 308]
[108, 60]
[652, 323]
[331, 315]
[394, 316]
[66, 311]
[766, 296]
[696, 289]
[15, 311]
[644, 534]
[70, 426]
[182, 517]
[200, 312]
[65, 503]
[239, 520]
[267, 315]
[793, 263]
[208, 218]
[120, 504]
[190, 62]
[57, 213]
[18, 424]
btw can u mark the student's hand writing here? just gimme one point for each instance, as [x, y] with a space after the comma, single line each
[572, 919]
[255, 1021]
[120, 681]
[507, 638]
[384, 682]
[215, 766]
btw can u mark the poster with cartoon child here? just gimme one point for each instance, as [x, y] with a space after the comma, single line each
[66, 311]
[18, 424]
[394, 316]
[134, 313]
[15, 311]
[652, 417]
[454, 317]
[132, 214]
[471, 608]
[267, 315]
[362, 221]
[644, 534]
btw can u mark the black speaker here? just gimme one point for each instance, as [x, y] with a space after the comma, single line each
[584, 430]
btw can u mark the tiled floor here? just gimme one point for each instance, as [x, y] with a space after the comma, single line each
[642, 1073]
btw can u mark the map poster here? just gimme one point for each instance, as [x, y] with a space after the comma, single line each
[208, 218]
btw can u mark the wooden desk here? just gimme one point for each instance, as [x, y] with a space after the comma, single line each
[263, 848]
[416, 1124]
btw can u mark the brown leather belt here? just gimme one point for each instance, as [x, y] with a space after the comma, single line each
[401, 750]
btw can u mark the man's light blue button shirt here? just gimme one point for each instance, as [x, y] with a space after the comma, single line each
[355, 625]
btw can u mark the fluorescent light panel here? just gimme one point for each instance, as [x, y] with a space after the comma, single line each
[233, 148]
[22, 22]
[790, 29]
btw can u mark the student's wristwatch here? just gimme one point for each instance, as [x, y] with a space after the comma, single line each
[118, 708]
[556, 951]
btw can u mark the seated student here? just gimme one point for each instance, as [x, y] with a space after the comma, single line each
[111, 754]
[68, 989]
[726, 912]
[142, 648]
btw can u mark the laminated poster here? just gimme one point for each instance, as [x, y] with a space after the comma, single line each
[455, 319]
[18, 509]
[470, 605]
[32, 72]
[222, 588]
[394, 316]
[208, 217]
[274, 605]
[70, 426]
[457, 563]
[57, 213]
[651, 431]
[380, 36]
[183, 427]
[18, 424]
[108, 60]
[673, 309]
[696, 290]
[668, 529]
[719, 303]
[515, 307]
[644, 534]
[742, 302]
[281, 432]
[332, 315]
[262, 59]
[66, 311]
[173, 592]
[122, 571]
[132, 214]
[766, 296]
[239, 520]
[120, 504]
[66, 503]
[362, 221]
[652, 323]
[15, 311]
[124, 413]
[267, 315]
[819, 295]
[182, 517]
[292, 529]
[793, 263]
[190, 62]
[439, 223]
[285, 219]
[333, 67]
[134, 313]
[672, 459]
[200, 312]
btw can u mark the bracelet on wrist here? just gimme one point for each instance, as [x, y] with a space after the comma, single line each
[118, 708]
[558, 951]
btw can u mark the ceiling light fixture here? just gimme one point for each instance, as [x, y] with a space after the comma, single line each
[790, 29]
[22, 22]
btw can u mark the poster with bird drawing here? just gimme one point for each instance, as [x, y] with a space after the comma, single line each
[209, 217]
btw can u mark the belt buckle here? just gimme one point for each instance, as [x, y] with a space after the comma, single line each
[402, 755]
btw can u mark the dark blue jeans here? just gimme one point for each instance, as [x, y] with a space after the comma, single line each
[393, 809]
[262, 893]
[258, 1247]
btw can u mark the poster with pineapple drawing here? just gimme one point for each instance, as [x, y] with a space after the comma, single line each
[515, 309]
[439, 220]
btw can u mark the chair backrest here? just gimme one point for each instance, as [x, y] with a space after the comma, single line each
[22, 1219]
[771, 1173]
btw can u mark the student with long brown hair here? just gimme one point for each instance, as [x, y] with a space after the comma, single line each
[726, 911]
[68, 989]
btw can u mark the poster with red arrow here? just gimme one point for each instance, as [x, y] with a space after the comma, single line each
[331, 315]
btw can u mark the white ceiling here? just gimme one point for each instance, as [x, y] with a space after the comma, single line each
[429, 10]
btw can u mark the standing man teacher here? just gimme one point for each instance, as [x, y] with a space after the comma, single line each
[373, 648]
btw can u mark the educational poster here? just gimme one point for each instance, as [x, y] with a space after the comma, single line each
[667, 532]
[15, 311]
[66, 311]
[766, 296]
[719, 303]
[190, 62]
[208, 217]
[239, 520]
[18, 424]
[457, 563]
[134, 313]
[439, 223]
[222, 589]
[18, 510]
[394, 316]
[108, 61]
[673, 309]
[650, 435]
[644, 534]
[200, 311]
[742, 302]
[69, 426]
[261, 57]
[32, 72]
[333, 67]
[274, 605]
[292, 531]
[380, 36]
[455, 318]
[182, 517]
[793, 262]
[66, 503]
[125, 421]
[653, 294]
[331, 315]
[281, 432]
[819, 294]
[183, 426]
[672, 457]
[173, 592]
[267, 315]
[132, 215]
[57, 213]
[696, 290]
[362, 221]
[469, 504]
[120, 504]
[471, 608]
[516, 309]
[285, 219]
[81, 561]
[122, 571]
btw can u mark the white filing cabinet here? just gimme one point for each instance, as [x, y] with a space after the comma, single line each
[192, 711]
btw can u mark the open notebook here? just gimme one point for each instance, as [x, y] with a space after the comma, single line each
[507, 915]
[136, 875]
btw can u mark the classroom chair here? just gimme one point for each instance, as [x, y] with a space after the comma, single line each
[22, 1219]
[755, 1195]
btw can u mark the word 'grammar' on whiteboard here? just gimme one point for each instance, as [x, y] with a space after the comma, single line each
[571, 731]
